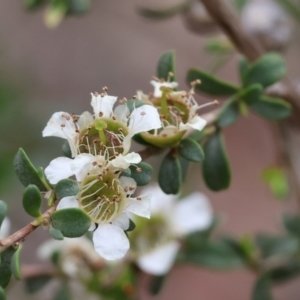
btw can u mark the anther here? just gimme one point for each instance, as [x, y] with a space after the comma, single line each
[100, 114]
[139, 170]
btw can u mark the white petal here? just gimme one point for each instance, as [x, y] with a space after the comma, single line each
[143, 118]
[68, 202]
[5, 228]
[192, 213]
[85, 120]
[92, 227]
[124, 162]
[140, 206]
[128, 184]
[58, 169]
[160, 260]
[110, 241]
[157, 85]
[196, 123]
[61, 125]
[122, 221]
[122, 112]
[103, 106]
[82, 165]
[160, 202]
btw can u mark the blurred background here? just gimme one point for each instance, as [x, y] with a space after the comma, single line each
[47, 70]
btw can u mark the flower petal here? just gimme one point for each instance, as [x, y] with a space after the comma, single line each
[128, 184]
[123, 162]
[60, 125]
[140, 206]
[160, 260]
[192, 213]
[143, 118]
[196, 123]
[5, 228]
[85, 120]
[157, 85]
[122, 112]
[58, 169]
[103, 106]
[82, 165]
[68, 202]
[110, 241]
[122, 221]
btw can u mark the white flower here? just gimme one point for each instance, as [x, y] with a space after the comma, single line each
[76, 255]
[109, 239]
[158, 84]
[5, 228]
[123, 162]
[103, 104]
[190, 214]
[142, 119]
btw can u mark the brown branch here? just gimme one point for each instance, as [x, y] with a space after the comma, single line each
[20, 235]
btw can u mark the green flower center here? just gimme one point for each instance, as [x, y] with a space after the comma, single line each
[102, 197]
[103, 137]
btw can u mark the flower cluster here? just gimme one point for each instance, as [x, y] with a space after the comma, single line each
[100, 145]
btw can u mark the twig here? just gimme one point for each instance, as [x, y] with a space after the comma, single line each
[20, 235]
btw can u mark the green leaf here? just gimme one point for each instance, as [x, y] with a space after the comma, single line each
[166, 64]
[191, 150]
[78, 7]
[163, 13]
[63, 293]
[16, 264]
[169, 177]
[3, 211]
[243, 68]
[270, 245]
[156, 284]
[56, 234]
[229, 113]
[126, 173]
[26, 172]
[2, 294]
[216, 170]
[277, 181]
[34, 4]
[65, 188]
[251, 94]
[271, 108]
[66, 149]
[5, 266]
[285, 273]
[215, 255]
[141, 173]
[292, 224]
[239, 4]
[184, 164]
[32, 201]
[210, 84]
[267, 70]
[262, 289]
[72, 222]
[34, 284]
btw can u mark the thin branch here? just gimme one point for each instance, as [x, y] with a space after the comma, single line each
[20, 235]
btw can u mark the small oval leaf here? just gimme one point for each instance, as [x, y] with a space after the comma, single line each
[26, 172]
[56, 234]
[251, 94]
[65, 188]
[170, 177]
[5, 266]
[34, 284]
[72, 222]
[166, 64]
[141, 173]
[32, 201]
[271, 108]
[262, 289]
[2, 294]
[16, 264]
[191, 150]
[210, 84]
[216, 170]
[267, 70]
[229, 113]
